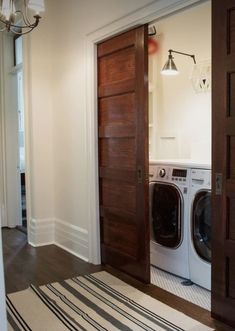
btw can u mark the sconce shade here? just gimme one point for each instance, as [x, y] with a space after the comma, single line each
[170, 68]
[37, 5]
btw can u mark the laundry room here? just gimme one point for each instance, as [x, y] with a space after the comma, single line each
[180, 153]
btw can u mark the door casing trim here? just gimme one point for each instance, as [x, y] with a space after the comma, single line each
[147, 14]
[27, 108]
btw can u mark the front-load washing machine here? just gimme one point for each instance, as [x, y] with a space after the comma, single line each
[169, 198]
[200, 228]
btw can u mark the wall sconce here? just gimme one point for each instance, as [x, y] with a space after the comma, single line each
[170, 68]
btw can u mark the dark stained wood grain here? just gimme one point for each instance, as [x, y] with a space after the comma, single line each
[223, 243]
[108, 90]
[117, 67]
[122, 41]
[119, 195]
[117, 110]
[231, 211]
[121, 235]
[118, 153]
[128, 176]
[231, 89]
[123, 151]
[231, 150]
[117, 131]
[231, 32]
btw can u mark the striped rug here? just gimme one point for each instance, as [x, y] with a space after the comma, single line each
[94, 302]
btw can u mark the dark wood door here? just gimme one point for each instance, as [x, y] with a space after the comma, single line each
[223, 249]
[123, 152]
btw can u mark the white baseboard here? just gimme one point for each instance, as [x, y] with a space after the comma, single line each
[69, 237]
[72, 238]
[41, 232]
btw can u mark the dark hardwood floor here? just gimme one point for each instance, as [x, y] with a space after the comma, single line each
[25, 265]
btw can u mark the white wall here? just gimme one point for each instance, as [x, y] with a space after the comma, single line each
[58, 128]
[180, 112]
[79, 18]
[40, 88]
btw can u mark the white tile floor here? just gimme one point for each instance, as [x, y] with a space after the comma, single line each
[171, 283]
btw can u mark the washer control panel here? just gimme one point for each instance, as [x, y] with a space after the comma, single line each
[179, 175]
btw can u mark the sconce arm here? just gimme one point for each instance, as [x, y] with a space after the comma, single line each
[181, 53]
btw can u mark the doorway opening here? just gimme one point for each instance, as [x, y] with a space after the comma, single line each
[179, 147]
[180, 154]
[14, 206]
[18, 59]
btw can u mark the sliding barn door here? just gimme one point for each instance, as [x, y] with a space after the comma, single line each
[223, 260]
[123, 152]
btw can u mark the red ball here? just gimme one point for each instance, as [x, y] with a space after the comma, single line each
[153, 46]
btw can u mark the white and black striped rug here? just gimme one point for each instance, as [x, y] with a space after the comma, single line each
[95, 302]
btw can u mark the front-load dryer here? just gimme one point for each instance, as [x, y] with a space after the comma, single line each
[200, 228]
[169, 193]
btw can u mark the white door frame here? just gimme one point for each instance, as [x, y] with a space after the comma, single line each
[9, 141]
[27, 109]
[155, 10]
[27, 86]
[3, 199]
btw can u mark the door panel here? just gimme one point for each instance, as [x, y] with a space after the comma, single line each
[116, 195]
[117, 67]
[118, 153]
[117, 110]
[123, 152]
[223, 243]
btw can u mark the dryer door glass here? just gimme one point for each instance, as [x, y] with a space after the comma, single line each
[166, 215]
[202, 224]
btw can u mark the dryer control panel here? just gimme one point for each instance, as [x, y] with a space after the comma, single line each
[201, 177]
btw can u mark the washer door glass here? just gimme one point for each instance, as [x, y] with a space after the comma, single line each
[202, 224]
[166, 215]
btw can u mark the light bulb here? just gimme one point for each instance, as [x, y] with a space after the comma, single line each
[6, 9]
[37, 5]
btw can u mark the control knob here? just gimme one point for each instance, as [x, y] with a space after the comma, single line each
[162, 173]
